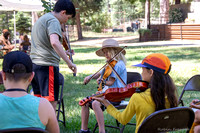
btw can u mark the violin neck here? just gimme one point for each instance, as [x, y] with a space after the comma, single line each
[97, 95]
[101, 86]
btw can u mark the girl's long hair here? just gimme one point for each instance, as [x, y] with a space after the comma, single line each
[162, 85]
[26, 39]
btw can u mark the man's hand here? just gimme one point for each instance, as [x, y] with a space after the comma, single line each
[68, 52]
[73, 67]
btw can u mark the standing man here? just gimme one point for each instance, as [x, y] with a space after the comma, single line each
[46, 51]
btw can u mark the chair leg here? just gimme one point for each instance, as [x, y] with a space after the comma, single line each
[122, 129]
[63, 111]
[95, 127]
[117, 123]
[58, 114]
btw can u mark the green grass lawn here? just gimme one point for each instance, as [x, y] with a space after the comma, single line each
[185, 63]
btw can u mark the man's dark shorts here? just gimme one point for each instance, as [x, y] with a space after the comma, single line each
[46, 82]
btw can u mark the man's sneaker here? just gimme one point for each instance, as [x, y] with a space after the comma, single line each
[81, 131]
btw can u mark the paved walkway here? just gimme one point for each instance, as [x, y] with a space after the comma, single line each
[133, 41]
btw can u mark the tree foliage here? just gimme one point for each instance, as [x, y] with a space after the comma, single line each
[133, 1]
[126, 11]
[48, 5]
[23, 22]
[98, 22]
[88, 7]
[91, 14]
[5, 17]
[155, 8]
[175, 15]
[99, 14]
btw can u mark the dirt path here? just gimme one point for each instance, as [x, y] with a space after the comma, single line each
[134, 41]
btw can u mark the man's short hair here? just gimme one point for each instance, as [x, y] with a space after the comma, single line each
[66, 5]
[17, 65]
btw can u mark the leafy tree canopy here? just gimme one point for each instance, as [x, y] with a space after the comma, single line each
[5, 22]
[133, 1]
[48, 6]
[88, 7]
[126, 11]
[23, 22]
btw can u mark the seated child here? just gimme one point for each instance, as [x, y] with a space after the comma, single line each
[110, 47]
[19, 109]
[161, 93]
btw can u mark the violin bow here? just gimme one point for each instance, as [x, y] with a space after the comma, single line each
[68, 42]
[108, 62]
[66, 39]
[117, 75]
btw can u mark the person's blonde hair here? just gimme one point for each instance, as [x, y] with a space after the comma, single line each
[113, 51]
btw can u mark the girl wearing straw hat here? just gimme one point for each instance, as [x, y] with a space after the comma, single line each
[110, 48]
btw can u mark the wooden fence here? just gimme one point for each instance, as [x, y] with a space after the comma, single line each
[177, 31]
[161, 32]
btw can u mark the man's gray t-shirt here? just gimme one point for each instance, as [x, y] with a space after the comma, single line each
[42, 53]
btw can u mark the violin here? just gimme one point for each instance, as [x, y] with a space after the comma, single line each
[106, 72]
[108, 63]
[119, 94]
[66, 44]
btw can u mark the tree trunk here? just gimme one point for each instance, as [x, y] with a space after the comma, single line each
[177, 1]
[78, 23]
[147, 14]
[7, 20]
[164, 11]
[34, 17]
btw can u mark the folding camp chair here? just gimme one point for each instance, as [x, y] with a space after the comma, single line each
[131, 77]
[193, 84]
[167, 120]
[61, 108]
[24, 130]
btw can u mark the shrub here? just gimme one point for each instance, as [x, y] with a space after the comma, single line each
[98, 22]
[175, 15]
[144, 31]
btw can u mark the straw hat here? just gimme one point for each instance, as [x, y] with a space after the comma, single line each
[109, 43]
